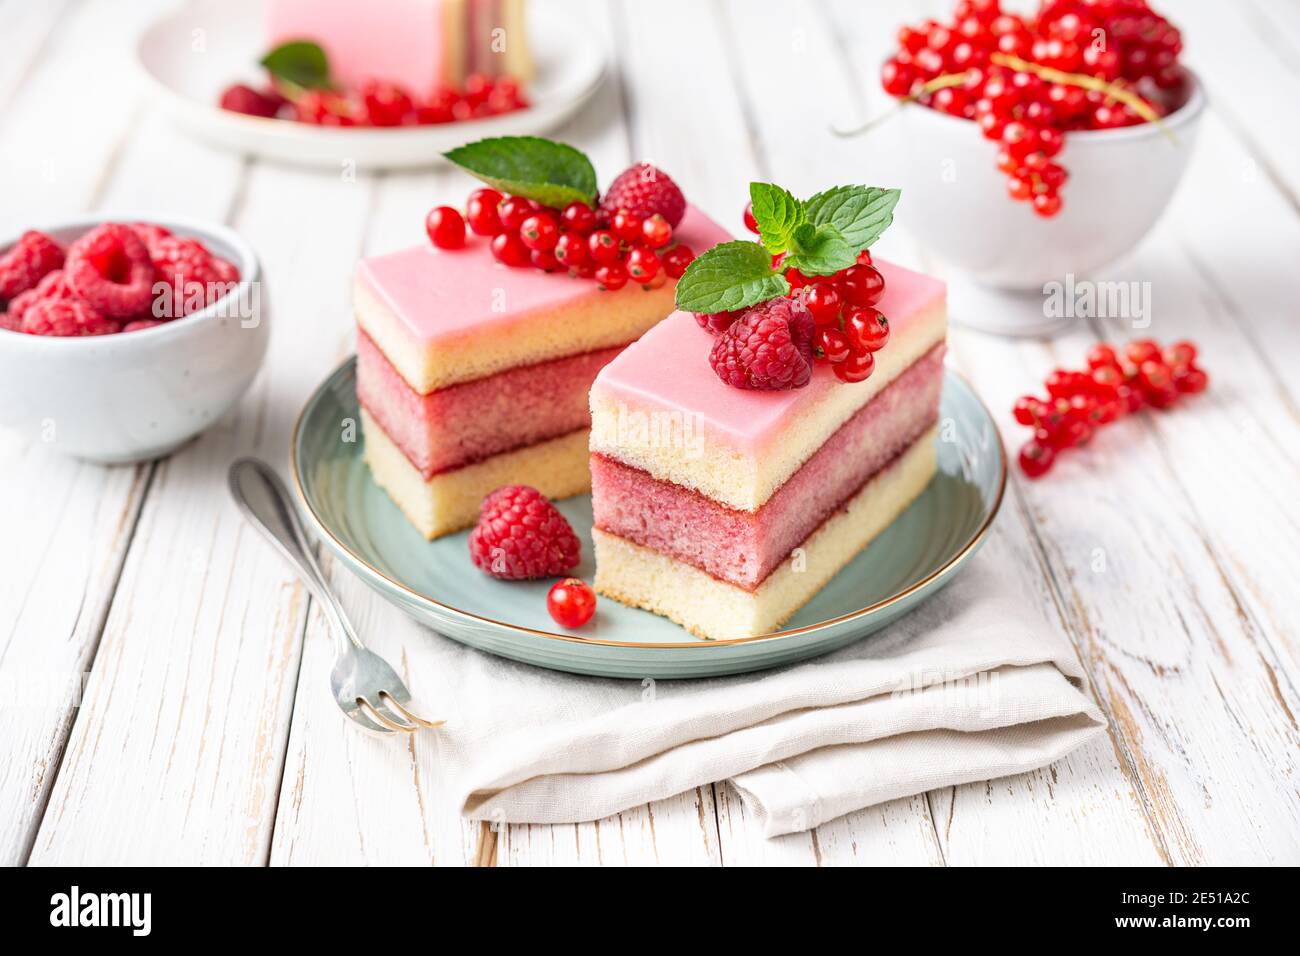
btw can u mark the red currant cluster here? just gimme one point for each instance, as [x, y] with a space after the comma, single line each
[379, 103]
[1113, 385]
[1029, 81]
[612, 248]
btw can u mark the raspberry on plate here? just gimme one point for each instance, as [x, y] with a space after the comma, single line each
[32, 257]
[645, 191]
[521, 535]
[66, 318]
[769, 347]
[109, 267]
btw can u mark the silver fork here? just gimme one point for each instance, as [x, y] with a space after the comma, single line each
[366, 688]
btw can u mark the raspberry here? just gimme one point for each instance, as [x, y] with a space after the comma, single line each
[715, 323]
[225, 270]
[246, 100]
[187, 269]
[109, 267]
[769, 347]
[9, 324]
[67, 318]
[521, 535]
[644, 191]
[150, 233]
[53, 287]
[32, 257]
[139, 325]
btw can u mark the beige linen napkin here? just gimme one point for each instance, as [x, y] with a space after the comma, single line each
[968, 687]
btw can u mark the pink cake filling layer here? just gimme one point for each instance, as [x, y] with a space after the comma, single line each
[456, 426]
[743, 547]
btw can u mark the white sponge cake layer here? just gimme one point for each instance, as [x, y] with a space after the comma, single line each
[713, 609]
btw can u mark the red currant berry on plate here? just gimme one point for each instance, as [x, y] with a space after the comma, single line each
[510, 250]
[387, 104]
[642, 265]
[612, 276]
[867, 329]
[544, 259]
[823, 302]
[571, 602]
[539, 232]
[445, 227]
[1036, 458]
[750, 222]
[578, 217]
[604, 247]
[856, 368]
[655, 231]
[1102, 354]
[830, 345]
[513, 210]
[625, 225]
[571, 249]
[481, 211]
[676, 259]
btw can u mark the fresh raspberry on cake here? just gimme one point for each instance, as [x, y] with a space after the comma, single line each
[767, 348]
[110, 269]
[67, 318]
[32, 257]
[521, 535]
[644, 191]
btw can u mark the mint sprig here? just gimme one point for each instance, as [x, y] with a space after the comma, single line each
[820, 236]
[299, 63]
[553, 174]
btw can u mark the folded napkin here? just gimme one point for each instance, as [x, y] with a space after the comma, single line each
[968, 687]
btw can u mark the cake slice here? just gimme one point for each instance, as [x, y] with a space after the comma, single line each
[725, 509]
[471, 375]
[419, 44]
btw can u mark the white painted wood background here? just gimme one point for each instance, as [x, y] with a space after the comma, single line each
[206, 733]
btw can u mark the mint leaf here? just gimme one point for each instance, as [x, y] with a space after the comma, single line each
[777, 214]
[729, 276]
[819, 251]
[550, 173]
[301, 63]
[860, 213]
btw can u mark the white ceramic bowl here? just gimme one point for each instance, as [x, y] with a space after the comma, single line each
[137, 395]
[956, 203]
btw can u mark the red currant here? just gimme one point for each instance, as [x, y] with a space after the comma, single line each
[612, 276]
[544, 259]
[1036, 458]
[1190, 380]
[867, 329]
[1027, 410]
[856, 368]
[642, 264]
[861, 285]
[510, 249]
[823, 302]
[445, 227]
[897, 79]
[655, 232]
[481, 211]
[604, 246]
[1142, 350]
[1180, 353]
[750, 222]
[571, 602]
[1047, 205]
[578, 217]
[626, 226]
[676, 259]
[571, 249]
[831, 345]
[513, 210]
[796, 279]
[539, 232]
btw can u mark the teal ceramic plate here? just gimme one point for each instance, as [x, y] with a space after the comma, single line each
[436, 584]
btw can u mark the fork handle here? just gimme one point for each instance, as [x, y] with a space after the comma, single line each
[262, 497]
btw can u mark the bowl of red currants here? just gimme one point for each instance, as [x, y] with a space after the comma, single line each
[1041, 145]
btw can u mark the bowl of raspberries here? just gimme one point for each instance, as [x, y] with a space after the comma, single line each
[1041, 143]
[120, 338]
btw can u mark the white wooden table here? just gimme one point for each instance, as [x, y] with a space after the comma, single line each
[1167, 553]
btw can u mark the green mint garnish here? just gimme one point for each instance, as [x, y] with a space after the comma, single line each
[301, 63]
[820, 236]
[730, 276]
[550, 173]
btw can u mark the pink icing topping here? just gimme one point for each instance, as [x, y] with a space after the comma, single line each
[668, 369]
[440, 295]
